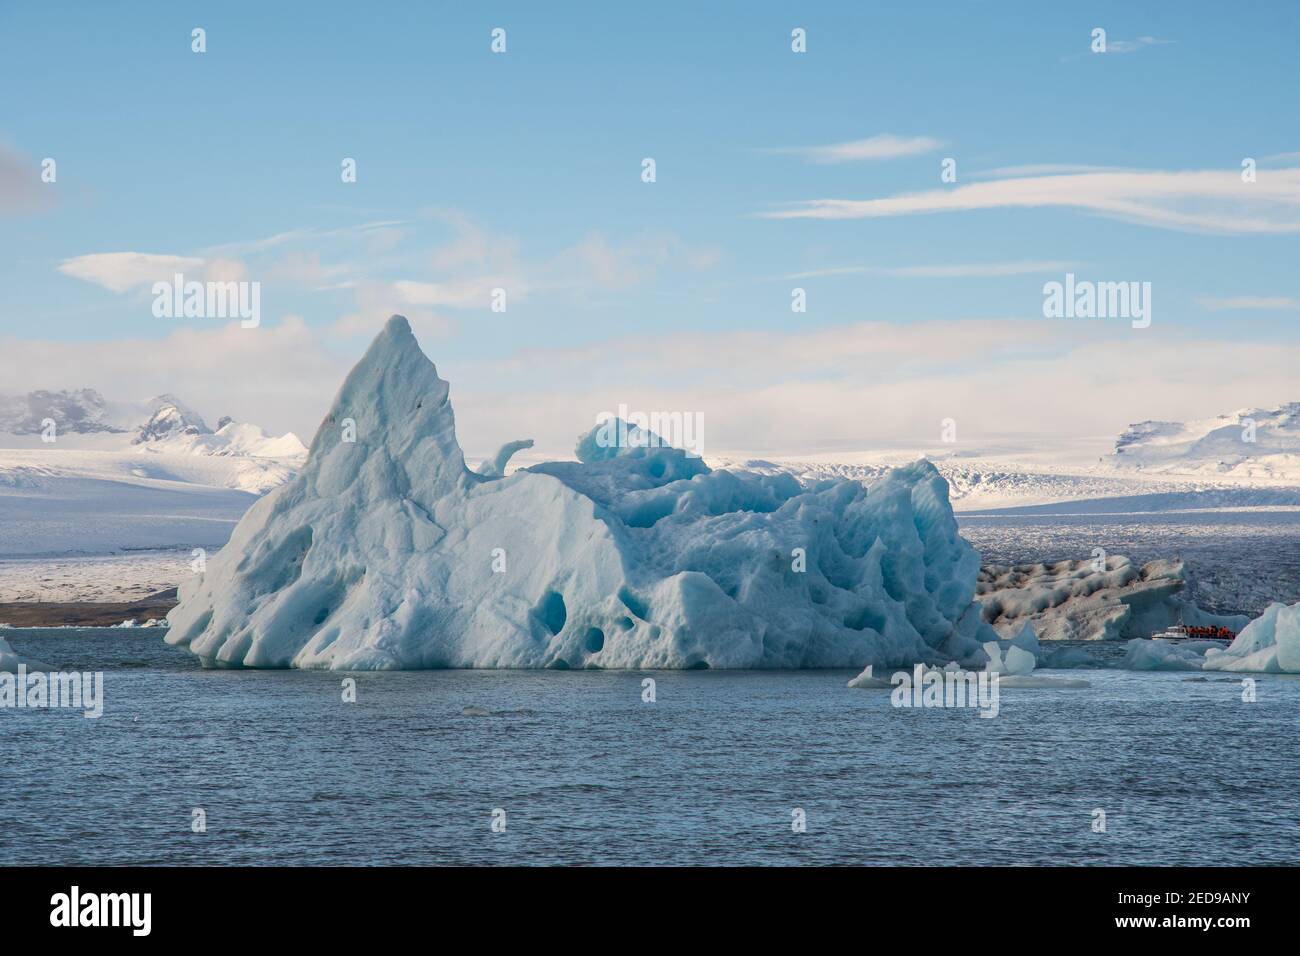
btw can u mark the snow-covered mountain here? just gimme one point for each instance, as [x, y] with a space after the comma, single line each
[82, 412]
[169, 419]
[1250, 443]
[84, 420]
[120, 475]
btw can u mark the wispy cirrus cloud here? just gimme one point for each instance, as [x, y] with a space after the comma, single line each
[1265, 302]
[1134, 46]
[1214, 201]
[969, 270]
[123, 271]
[882, 146]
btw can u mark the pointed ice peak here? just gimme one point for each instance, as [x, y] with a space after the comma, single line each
[393, 400]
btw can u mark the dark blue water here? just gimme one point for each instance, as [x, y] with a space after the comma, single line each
[289, 774]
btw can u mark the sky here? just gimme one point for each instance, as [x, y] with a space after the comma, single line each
[774, 170]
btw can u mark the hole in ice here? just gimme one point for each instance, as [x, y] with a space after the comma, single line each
[647, 514]
[699, 666]
[560, 665]
[595, 640]
[864, 619]
[320, 616]
[626, 623]
[633, 603]
[553, 612]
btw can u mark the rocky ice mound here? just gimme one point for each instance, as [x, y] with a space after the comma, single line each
[387, 552]
[1079, 600]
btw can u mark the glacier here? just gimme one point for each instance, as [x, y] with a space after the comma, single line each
[386, 552]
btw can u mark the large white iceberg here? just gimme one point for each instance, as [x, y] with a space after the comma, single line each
[1270, 644]
[386, 552]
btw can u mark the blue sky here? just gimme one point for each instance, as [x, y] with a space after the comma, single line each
[522, 170]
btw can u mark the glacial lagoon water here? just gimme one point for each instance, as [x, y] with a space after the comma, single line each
[589, 773]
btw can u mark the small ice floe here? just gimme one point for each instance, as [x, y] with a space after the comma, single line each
[1017, 656]
[1014, 662]
[152, 622]
[11, 659]
[866, 681]
[1159, 654]
[475, 712]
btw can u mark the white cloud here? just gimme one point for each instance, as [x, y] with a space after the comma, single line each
[976, 270]
[1043, 169]
[872, 384]
[123, 271]
[857, 386]
[1250, 302]
[461, 294]
[1215, 201]
[279, 375]
[882, 146]
[21, 188]
[1133, 46]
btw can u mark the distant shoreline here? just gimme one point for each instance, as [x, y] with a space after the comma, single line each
[85, 613]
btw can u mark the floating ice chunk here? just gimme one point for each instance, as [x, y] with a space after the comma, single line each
[11, 659]
[866, 681]
[1157, 654]
[1270, 644]
[1018, 656]
[385, 551]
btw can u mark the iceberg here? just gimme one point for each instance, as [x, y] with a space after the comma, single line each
[1079, 600]
[386, 552]
[1158, 654]
[1270, 644]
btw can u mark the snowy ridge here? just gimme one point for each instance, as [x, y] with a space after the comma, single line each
[387, 552]
[1251, 443]
[128, 476]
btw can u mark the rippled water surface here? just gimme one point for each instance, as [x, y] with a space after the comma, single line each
[586, 772]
